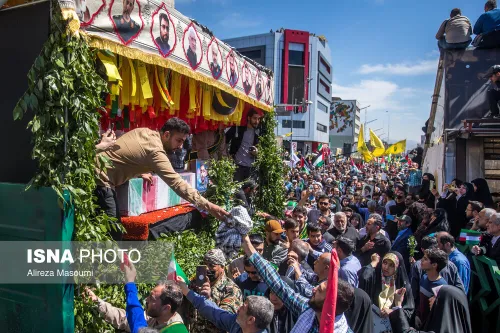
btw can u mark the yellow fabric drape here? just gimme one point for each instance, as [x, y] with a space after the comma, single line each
[132, 53]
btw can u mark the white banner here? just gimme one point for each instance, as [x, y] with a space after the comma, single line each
[164, 32]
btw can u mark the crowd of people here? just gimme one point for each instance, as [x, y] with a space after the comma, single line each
[394, 234]
[456, 31]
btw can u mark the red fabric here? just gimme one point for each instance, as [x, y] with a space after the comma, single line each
[137, 227]
[327, 321]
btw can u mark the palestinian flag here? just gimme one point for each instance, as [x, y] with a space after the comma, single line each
[321, 157]
[174, 270]
[470, 237]
[303, 166]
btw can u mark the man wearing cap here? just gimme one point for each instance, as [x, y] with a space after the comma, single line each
[493, 74]
[400, 244]
[274, 252]
[219, 289]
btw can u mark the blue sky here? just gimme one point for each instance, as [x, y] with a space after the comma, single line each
[384, 51]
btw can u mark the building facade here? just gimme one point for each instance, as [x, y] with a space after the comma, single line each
[344, 129]
[302, 67]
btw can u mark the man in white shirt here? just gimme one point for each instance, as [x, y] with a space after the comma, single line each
[455, 32]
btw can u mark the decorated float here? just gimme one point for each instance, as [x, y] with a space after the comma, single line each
[104, 64]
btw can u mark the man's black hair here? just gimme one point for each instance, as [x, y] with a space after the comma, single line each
[164, 16]
[428, 242]
[247, 262]
[313, 227]
[389, 194]
[300, 209]
[290, 224]
[476, 206]
[323, 197]
[251, 113]
[491, 4]
[249, 184]
[437, 256]
[345, 296]
[455, 12]
[447, 238]
[176, 125]
[171, 294]
[346, 244]
[256, 239]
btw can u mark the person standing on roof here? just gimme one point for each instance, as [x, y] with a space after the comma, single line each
[455, 32]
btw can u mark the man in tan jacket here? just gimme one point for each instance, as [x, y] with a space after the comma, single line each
[141, 151]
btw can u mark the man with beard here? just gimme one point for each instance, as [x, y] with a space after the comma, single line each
[340, 228]
[250, 282]
[373, 242]
[247, 84]
[258, 88]
[253, 316]
[474, 208]
[161, 306]
[307, 311]
[242, 142]
[400, 244]
[214, 64]
[274, 252]
[219, 289]
[162, 40]
[192, 57]
[140, 151]
[300, 215]
[244, 196]
[482, 220]
[323, 208]
[326, 224]
[233, 75]
[296, 260]
[125, 25]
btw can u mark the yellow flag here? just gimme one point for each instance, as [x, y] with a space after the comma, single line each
[377, 143]
[397, 148]
[362, 148]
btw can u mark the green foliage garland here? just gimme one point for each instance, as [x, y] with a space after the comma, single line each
[271, 196]
[64, 93]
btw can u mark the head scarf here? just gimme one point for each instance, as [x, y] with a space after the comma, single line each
[450, 312]
[386, 297]
[483, 192]
[215, 257]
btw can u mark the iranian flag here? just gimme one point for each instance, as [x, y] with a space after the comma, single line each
[174, 270]
[470, 237]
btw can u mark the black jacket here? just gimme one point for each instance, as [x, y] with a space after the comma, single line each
[350, 233]
[234, 136]
[382, 246]
[492, 252]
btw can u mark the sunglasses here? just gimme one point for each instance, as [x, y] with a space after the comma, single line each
[251, 272]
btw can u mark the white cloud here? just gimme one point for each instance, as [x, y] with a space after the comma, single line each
[409, 69]
[376, 93]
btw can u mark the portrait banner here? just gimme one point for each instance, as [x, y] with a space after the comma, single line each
[157, 34]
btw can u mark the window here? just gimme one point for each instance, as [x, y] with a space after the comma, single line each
[295, 80]
[256, 53]
[321, 127]
[324, 85]
[296, 124]
[322, 107]
[324, 66]
[296, 54]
